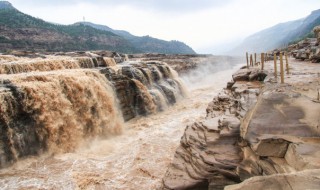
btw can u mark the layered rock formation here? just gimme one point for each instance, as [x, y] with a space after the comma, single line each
[253, 129]
[209, 153]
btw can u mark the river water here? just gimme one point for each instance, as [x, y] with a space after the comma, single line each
[136, 159]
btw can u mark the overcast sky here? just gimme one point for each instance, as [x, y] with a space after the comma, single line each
[208, 26]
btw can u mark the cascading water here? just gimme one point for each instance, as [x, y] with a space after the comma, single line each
[145, 87]
[63, 111]
[56, 110]
[14, 66]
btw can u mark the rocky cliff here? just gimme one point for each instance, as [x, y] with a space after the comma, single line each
[262, 134]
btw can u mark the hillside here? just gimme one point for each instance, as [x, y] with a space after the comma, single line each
[280, 35]
[19, 31]
[147, 44]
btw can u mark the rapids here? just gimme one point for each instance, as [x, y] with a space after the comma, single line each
[136, 159]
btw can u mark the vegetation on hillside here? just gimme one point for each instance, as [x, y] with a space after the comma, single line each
[19, 31]
[148, 44]
[23, 32]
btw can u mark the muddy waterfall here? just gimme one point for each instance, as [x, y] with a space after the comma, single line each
[54, 103]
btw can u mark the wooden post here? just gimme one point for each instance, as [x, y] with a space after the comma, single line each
[266, 57]
[247, 59]
[275, 65]
[255, 58]
[251, 60]
[262, 61]
[281, 68]
[287, 63]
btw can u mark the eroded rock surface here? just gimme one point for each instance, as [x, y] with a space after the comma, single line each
[210, 154]
[272, 140]
[309, 179]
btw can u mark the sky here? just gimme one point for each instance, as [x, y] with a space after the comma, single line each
[208, 26]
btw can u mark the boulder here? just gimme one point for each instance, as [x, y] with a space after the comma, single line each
[252, 74]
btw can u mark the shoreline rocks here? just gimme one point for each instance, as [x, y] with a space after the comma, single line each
[252, 128]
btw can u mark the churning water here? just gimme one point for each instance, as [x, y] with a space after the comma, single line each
[136, 159]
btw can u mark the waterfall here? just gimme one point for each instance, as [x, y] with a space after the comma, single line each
[15, 66]
[53, 104]
[55, 111]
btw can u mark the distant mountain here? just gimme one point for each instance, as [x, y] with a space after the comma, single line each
[6, 5]
[279, 35]
[146, 43]
[19, 31]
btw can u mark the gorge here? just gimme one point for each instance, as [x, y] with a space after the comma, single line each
[63, 110]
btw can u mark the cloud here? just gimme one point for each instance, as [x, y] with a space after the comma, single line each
[208, 26]
[177, 6]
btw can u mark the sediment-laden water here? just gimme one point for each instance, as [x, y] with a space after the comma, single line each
[136, 159]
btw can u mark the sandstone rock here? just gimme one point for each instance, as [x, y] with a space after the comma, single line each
[279, 136]
[251, 74]
[230, 84]
[303, 156]
[208, 153]
[281, 105]
[241, 75]
[309, 179]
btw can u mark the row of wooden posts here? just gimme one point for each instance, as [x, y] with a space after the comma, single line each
[263, 59]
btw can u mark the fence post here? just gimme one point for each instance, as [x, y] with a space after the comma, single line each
[281, 68]
[255, 58]
[287, 62]
[262, 61]
[275, 65]
[251, 60]
[247, 59]
[266, 57]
